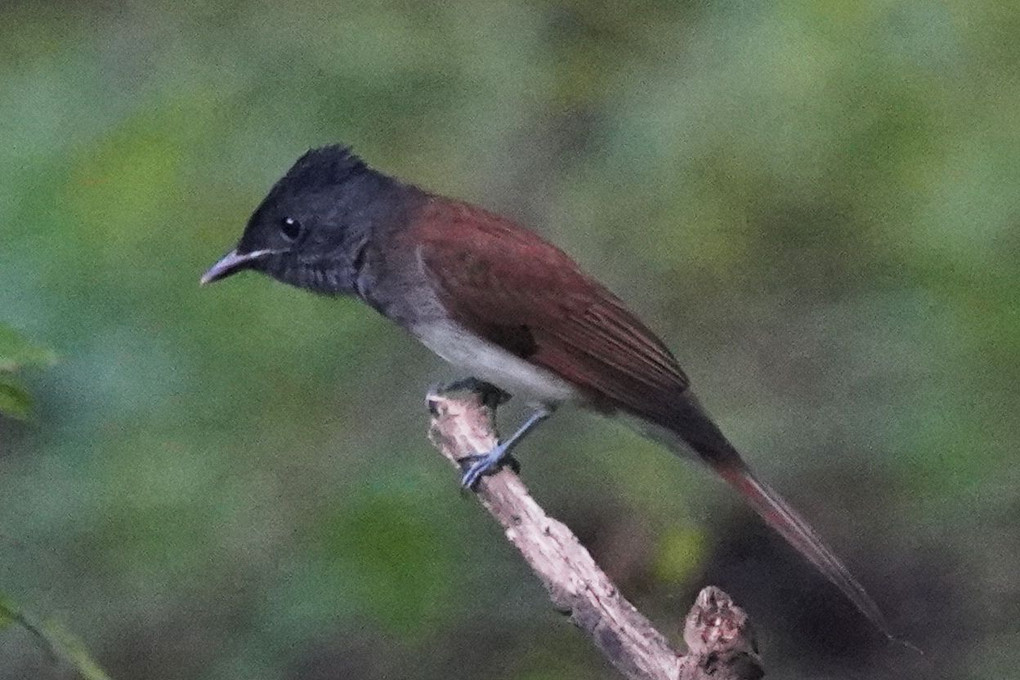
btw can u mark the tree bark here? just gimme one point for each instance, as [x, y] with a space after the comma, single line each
[718, 635]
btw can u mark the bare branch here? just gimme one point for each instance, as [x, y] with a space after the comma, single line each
[717, 632]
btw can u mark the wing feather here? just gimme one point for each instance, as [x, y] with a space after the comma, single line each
[500, 280]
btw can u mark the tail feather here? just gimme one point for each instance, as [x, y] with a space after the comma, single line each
[795, 529]
[689, 428]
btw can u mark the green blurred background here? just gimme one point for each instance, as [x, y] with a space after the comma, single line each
[815, 203]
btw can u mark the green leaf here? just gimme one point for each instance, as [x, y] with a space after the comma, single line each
[69, 647]
[15, 401]
[16, 351]
[56, 639]
[8, 612]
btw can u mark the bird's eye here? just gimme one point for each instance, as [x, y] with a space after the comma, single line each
[290, 228]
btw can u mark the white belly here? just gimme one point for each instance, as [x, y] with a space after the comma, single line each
[488, 362]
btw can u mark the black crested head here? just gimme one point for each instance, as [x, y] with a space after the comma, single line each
[311, 229]
[322, 167]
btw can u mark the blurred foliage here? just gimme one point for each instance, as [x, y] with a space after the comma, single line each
[55, 640]
[17, 353]
[7, 612]
[814, 203]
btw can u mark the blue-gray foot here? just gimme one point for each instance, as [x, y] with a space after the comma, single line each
[487, 463]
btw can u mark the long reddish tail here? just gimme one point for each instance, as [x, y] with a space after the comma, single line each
[689, 428]
[791, 526]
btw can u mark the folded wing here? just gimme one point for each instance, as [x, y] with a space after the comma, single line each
[509, 286]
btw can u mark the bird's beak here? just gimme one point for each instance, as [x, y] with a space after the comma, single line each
[231, 263]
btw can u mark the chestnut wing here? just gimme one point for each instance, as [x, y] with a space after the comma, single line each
[514, 289]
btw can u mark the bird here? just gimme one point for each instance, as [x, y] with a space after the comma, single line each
[503, 304]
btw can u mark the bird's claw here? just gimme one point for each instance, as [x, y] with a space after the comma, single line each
[480, 465]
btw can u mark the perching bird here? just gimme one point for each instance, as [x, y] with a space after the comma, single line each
[498, 301]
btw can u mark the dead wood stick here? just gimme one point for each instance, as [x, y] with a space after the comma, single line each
[718, 635]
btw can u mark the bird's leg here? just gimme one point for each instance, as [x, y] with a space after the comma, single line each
[488, 463]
